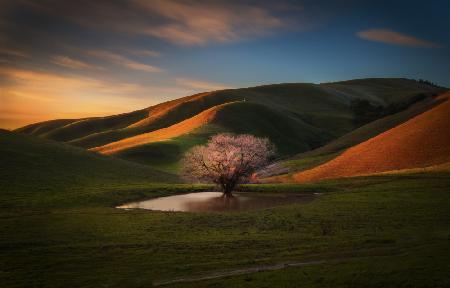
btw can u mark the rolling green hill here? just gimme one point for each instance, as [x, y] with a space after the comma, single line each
[42, 128]
[45, 167]
[68, 129]
[332, 149]
[420, 142]
[296, 117]
[287, 132]
[383, 91]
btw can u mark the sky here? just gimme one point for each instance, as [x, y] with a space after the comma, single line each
[74, 59]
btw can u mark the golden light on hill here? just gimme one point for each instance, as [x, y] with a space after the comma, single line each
[175, 130]
[420, 142]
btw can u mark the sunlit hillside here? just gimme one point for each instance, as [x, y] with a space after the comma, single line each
[420, 142]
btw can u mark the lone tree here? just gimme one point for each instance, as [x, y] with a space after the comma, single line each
[227, 160]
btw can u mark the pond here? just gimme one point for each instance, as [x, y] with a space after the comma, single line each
[215, 202]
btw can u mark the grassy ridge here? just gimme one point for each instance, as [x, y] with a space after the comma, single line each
[185, 108]
[66, 130]
[305, 102]
[89, 126]
[383, 91]
[41, 128]
[297, 117]
[324, 106]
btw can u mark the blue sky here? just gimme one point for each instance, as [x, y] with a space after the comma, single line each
[66, 59]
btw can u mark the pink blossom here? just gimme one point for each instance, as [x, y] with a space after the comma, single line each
[227, 160]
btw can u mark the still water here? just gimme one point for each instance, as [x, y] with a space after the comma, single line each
[215, 202]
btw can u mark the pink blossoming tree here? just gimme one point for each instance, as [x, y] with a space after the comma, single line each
[227, 160]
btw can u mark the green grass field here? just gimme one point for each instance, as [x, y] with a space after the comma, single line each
[371, 232]
[386, 231]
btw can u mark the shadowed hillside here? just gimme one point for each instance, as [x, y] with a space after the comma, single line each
[68, 129]
[42, 128]
[43, 165]
[420, 142]
[383, 91]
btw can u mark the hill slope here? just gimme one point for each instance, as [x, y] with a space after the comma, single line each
[175, 130]
[296, 117]
[310, 159]
[420, 142]
[164, 148]
[42, 165]
[320, 104]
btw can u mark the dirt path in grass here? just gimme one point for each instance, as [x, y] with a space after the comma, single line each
[240, 272]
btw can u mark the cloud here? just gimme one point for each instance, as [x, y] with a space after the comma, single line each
[68, 62]
[14, 52]
[123, 61]
[199, 85]
[203, 22]
[188, 23]
[392, 37]
[52, 82]
[145, 52]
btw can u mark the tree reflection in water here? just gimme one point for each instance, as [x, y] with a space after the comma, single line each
[218, 202]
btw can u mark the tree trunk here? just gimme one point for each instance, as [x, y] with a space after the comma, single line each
[227, 193]
[228, 189]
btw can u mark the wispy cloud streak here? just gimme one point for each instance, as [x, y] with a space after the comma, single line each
[396, 38]
[14, 52]
[200, 23]
[123, 61]
[68, 62]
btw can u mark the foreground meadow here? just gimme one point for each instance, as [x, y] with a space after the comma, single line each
[373, 232]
